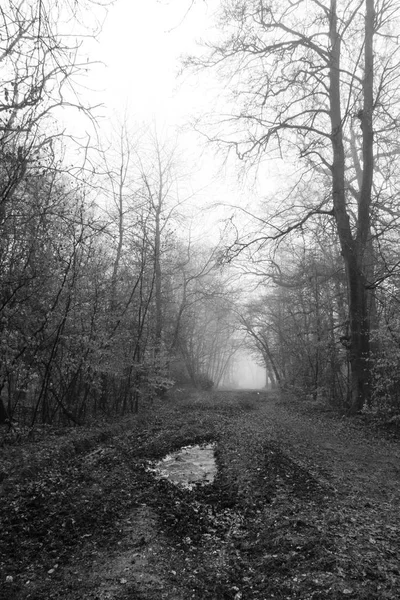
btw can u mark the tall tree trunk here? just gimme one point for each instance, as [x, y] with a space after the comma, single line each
[158, 280]
[353, 250]
[117, 259]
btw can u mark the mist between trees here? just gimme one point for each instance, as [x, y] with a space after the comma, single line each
[105, 299]
[103, 304]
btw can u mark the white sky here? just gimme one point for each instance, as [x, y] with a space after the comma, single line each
[140, 51]
[139, 57]
[137, 60]
[141, 45]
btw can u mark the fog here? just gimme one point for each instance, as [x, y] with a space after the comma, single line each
[245, 373]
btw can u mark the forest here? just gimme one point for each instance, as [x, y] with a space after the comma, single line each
[107, 296]
[142, 262]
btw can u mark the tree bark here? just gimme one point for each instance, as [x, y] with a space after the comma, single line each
[353, 250]
[158, 280]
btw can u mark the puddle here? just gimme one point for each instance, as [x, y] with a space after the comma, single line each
[188, 466]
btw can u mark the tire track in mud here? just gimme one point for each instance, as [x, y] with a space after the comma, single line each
[281, 520]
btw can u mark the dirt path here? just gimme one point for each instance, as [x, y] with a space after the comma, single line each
[304, 506]
[353, 458]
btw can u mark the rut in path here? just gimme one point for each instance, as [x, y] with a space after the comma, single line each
[304, 506]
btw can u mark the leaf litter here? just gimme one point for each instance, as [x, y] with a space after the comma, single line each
[291, 512]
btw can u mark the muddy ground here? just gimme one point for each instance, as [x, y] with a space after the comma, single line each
[305, 505]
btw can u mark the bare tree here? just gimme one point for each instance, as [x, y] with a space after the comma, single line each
[303, 77]
[40, 67]
[39, 70]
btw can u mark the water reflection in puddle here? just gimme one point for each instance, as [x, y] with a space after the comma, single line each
[188, 466]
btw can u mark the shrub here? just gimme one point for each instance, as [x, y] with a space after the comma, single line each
[204, 382]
